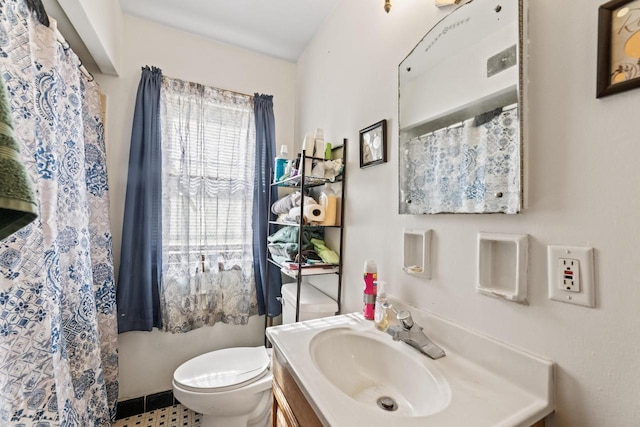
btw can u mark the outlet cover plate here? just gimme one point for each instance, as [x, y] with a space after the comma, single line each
[586, 295]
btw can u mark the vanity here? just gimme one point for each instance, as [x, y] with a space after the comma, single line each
[342, 371]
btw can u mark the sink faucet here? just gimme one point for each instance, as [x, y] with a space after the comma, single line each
[414, 336]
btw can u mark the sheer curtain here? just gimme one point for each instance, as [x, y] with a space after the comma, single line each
[208, 156]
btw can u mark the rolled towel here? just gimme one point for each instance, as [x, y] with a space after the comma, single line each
[294, 214]
[284, 204]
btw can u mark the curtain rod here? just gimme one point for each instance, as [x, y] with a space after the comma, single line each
[65, 45]
[202, 84]
[36, 7]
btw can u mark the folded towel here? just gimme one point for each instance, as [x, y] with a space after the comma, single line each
[290, 235]
[327, 255]
[18, 205]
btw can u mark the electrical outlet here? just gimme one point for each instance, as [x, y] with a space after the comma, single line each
[570, 275]
[569, 272]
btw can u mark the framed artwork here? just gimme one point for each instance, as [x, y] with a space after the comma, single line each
[373, 144]
[618, 47]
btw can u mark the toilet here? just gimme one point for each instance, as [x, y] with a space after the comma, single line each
[232, 387]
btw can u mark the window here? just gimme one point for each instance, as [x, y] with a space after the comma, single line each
[208, 161]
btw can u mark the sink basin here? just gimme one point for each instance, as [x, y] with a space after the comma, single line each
[370, 368]
[344, 366]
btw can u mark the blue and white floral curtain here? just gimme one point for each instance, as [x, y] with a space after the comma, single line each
[58, 358]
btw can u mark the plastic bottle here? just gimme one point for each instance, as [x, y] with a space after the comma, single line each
[338, 195]
[327, 151]
[370, 278]
[381, 317]
[328, 201]
[280, 163]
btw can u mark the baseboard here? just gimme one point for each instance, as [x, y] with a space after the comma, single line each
[150, 402]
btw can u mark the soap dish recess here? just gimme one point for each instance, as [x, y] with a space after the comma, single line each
[502, 266]
[417, 253]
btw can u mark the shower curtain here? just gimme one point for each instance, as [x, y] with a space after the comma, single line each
[58, 359]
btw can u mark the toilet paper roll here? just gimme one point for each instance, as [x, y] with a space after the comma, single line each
[314, 213]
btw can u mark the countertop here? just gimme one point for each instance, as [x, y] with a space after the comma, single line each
[492, 384]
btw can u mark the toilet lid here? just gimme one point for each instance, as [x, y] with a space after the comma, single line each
[223, 369]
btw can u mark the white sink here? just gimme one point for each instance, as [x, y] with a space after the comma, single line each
[369, 370]
[343, 365]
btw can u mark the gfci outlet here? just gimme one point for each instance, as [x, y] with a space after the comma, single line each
[569, 271]
[570, 275]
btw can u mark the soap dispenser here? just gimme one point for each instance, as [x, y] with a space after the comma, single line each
[381, 316]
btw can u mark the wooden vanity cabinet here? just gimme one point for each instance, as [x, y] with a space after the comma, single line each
[290, 407]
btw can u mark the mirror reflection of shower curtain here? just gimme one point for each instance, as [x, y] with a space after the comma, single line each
[470, 167]
[57, 294]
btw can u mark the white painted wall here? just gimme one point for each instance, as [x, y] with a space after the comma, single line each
[99, 24]
[147, 360]
[583, 191]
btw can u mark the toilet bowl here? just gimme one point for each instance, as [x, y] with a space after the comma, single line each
[232, 387]
[229, 387]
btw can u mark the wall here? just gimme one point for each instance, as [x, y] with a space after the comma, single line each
[582, 179]
[99, 23]
[147, 360]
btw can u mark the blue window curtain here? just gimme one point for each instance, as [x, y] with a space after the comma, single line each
[138, 297]
[265, 155]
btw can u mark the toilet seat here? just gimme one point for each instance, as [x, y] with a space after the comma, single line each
[223, 370]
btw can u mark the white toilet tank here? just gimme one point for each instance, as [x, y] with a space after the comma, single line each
[313, 303]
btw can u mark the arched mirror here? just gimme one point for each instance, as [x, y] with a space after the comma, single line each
[460, 113]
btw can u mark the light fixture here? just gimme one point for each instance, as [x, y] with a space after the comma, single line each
[442, 3]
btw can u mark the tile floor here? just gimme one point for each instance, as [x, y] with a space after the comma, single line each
[172, 416]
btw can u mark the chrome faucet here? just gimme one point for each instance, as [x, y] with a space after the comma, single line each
[414, 336]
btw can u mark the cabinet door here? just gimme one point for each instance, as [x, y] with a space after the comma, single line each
[289, 401]
[282, 415]
[281, 420]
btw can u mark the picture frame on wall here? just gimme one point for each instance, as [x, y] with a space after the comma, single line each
[618, 47]
[373, 144]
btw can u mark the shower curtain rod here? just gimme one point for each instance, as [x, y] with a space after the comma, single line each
[37, 8]
[65, 46]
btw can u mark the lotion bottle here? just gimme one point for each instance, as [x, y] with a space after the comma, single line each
[328, 202]
[381, 316]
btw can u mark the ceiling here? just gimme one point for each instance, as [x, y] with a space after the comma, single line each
[278, 28]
